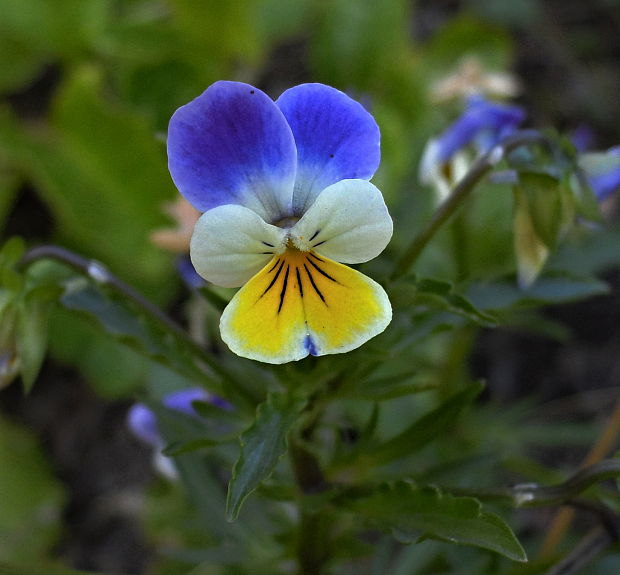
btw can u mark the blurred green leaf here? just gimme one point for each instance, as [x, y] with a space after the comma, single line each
[553, 288]
[30, 498]
[422, 431]
[32, 331]
[466, 35]
[103, 175]
[262, 446]
[370, 47]
[134, 329]
[437, 295]
[385, 388]
[412, 512]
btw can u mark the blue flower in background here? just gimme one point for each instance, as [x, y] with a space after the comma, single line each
[142, 421]
[188, 273]
[603, 172]
[482, 125]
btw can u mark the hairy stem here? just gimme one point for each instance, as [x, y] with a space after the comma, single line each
[479, 169]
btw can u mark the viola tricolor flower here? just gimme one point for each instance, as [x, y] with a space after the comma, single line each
[286, 199]
[483, 124]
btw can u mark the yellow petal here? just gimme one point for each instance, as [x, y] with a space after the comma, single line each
[300, 304]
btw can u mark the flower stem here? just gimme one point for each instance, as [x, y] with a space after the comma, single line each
[479, 169]
[312, 539]
[564, 517]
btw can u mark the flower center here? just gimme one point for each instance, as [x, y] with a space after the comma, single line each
[287, 222]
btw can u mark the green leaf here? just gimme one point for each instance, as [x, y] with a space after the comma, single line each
[412, 512]
[135, 329]
[436, 295]
[30, 498]
[262, 446]
[384, 388]
[553, 288]
[424, 430]
[32, 329]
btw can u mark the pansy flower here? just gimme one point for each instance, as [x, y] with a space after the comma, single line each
[483, 124]
[286, 199]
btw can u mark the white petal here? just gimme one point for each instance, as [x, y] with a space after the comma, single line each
[348, 222]
[231, 243]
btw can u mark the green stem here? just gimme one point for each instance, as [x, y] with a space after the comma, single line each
[313, 548]
[479, 169]
[533, 495]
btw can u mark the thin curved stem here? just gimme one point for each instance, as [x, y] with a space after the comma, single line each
[585, 551]
[563, 518]
[479, 169]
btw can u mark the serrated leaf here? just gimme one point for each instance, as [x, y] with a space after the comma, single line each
[262, 446]
[411, 512]
[438, 295]
[424, 430]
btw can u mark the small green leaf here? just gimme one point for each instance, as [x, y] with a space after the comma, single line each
[422, 431]
[135, 329]
[12, 251]
[32, 327]
[384, 388]
[438, 295]
[551, 289]
[412, 512]
[262, 446]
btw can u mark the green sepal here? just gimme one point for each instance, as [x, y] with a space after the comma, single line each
[531, 250]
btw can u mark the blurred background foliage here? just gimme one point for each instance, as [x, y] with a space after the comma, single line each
[87, 88]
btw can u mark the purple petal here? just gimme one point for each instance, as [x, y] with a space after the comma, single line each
[232, 145]
[188, 273]
[607, 183]
[484, 122]
[143, 424]
[336, 139]
[182, 400]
